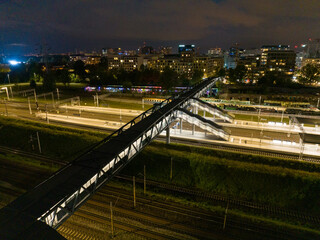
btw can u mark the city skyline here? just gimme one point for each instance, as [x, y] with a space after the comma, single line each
[82, 25]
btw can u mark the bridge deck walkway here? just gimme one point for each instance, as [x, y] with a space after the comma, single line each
[67, 189]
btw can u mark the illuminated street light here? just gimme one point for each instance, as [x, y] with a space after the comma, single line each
[13, 62]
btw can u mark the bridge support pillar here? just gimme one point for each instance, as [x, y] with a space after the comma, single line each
[193, 128]
[180, 125]
[168, 135]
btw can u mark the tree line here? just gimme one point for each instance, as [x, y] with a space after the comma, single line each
[100, 75]
[307, 75]
[97, 75]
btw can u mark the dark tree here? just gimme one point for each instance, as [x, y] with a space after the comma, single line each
[268, 80]
[34, 69]
[184, 80]
[237, 75]
[63, 76]
[310, 73]
[104, 62]
[196, 77]
[3, 77]
[19, 74]
[142, 67]
[79, 69]
[4, 71]
[221, 72]
[275, 78]
[123, 76]
[49, 83]
[127, 85]
[150, 77]
[33, 84]
[168, 79]
[135, 77]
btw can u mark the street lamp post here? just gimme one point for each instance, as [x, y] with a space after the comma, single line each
[5, 103]
[35, 98]
[39, 145]
[47, 119]
[58, 94]
[261, 134]
[97, 98]
[301, 149]
[53, 105]
[29, 105]
[282, 115]
[11, 91]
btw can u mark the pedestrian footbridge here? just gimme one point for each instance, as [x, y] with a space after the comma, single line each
[36, 214]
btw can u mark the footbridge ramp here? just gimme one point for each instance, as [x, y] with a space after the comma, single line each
[212, 109]
[203, 123]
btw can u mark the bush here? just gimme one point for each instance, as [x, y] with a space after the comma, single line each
[55, 141]
[277, 182]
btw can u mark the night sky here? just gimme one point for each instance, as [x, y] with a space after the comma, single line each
[67, 25]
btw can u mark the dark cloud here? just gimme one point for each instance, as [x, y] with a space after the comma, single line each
[17, 45]
[96, 23]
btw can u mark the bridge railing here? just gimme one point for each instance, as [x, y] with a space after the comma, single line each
[138, 118]
[55, 199]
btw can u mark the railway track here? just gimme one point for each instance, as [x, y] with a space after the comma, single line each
[200, 224]
[10, 191]
[71, 234]
[128, 226]
[142, 214]
[16, 178]
[236, 149]
[257, 208]
[75, 230]
[32, 155]
[215, 222]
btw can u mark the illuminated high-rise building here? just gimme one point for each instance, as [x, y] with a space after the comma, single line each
[186, 48]
[278, 58]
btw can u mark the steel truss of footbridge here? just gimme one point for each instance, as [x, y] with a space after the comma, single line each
[36, 214]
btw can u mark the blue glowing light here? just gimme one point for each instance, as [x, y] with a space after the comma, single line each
[13, 62]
